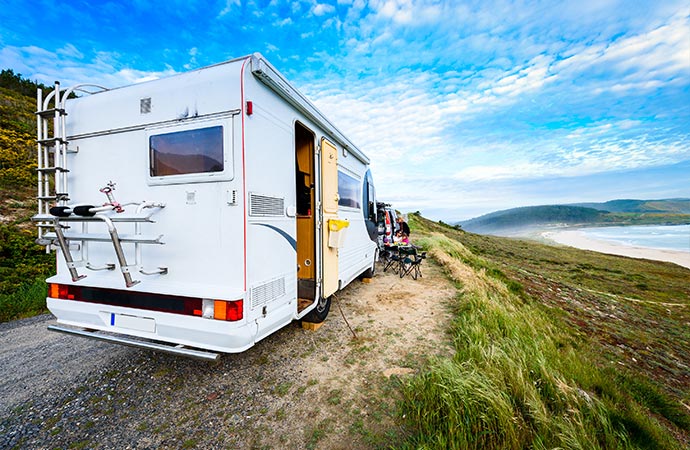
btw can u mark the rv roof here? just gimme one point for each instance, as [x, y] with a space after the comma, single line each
[270, 76]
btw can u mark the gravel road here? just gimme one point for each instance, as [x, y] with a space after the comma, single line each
[294, 389]
[37, 363]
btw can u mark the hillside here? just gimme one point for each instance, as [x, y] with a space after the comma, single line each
[665, 206]
[532, 216]
[555, 348]
[22, 263]
[614, 212]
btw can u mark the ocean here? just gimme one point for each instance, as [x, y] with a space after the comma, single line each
[665, 237]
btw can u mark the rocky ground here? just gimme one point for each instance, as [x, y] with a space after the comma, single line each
[332, 388]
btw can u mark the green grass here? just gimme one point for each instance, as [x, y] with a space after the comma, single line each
[29, 300]
[525, 373]
[23, 268]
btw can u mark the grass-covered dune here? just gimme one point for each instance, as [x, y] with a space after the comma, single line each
[554, 348]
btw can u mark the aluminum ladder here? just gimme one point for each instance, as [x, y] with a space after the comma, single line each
[53, 147]
[52, 160]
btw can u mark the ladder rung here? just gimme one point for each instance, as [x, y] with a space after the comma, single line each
[46, 113]
[68, 150]
[52, 141]
[52, 169]
[49, 225]
[125, 238]
[57, 197]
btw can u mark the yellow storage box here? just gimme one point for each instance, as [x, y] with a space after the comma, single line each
[336, 232]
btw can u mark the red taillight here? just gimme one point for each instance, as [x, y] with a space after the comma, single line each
[230, 311]
[61, 291]
[234, 310]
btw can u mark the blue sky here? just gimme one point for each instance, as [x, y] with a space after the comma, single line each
[463, 107]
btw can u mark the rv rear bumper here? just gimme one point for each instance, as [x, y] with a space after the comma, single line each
[166, 348]
[164, 328]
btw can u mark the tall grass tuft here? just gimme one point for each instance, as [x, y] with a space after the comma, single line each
[519, 378]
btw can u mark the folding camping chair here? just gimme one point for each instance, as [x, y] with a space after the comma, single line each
[410, 262]
[391, 258]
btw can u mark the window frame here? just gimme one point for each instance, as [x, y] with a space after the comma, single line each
[369, 209]
[357, 184]
[226, 174]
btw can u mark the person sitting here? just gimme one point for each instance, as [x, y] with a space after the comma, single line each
[397, 237]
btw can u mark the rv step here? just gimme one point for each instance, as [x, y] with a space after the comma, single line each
[118, 218]
[94, 237]
[166, 348]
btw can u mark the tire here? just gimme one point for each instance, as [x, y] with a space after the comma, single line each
[319, 314]
[371, 271]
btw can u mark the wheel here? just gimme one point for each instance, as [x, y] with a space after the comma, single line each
[371, 271]
[319, 314]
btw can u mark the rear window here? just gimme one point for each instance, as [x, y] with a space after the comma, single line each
[186, 152]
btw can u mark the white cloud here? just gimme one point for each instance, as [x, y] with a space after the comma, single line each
[73, 67]
[407, 12]
[70, 51]
[321, 9]
[229, 6]
[287, 21]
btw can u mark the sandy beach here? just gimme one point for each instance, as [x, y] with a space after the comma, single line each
[578, 239]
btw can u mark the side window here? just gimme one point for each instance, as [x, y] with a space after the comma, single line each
[348, 190]
[186, 152]
[369, 198]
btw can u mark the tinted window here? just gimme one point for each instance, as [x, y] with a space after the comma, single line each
[369, 198]
[191, 151]
[348, 190]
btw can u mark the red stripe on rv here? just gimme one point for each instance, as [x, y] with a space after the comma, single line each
[244, 176]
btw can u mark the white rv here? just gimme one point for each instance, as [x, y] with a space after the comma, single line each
[198, 213]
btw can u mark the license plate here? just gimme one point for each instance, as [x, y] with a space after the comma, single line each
[133, 322]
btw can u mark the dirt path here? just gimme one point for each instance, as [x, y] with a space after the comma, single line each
[296, 389]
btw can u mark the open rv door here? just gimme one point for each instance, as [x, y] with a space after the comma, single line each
[329, 211]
